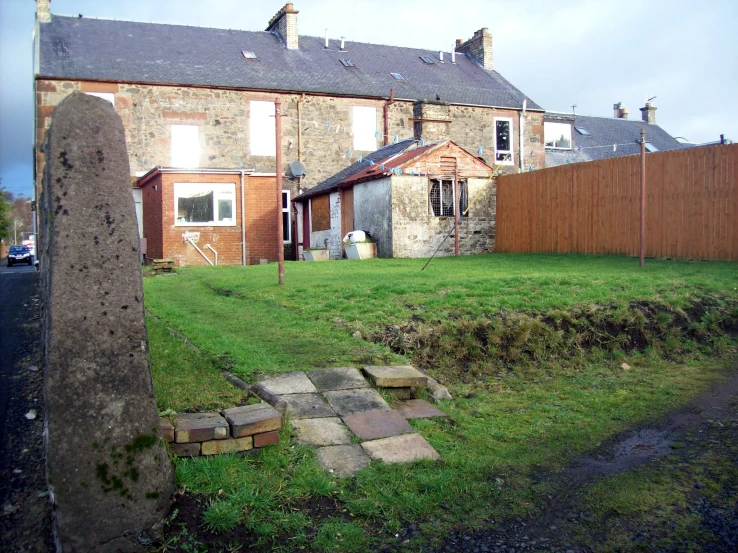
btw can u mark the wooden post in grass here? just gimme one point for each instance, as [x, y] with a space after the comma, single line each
[280, 230]
[642, 245]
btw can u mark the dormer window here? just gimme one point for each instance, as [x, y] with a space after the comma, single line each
[557, 135]
[347, 63]
[248, 55]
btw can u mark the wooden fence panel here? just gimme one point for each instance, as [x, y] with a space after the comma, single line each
[594, 207]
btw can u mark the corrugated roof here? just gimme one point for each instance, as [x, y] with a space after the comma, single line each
[603, 133]
[124, 51]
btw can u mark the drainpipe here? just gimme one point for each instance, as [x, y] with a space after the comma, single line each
[299, 139]
[243, 223]
[521, 139]
[386, 115]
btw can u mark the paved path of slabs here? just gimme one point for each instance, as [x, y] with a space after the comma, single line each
[337, 411]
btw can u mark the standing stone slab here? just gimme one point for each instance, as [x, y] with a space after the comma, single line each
[108, 469]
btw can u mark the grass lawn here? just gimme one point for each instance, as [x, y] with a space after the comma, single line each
[529, 345]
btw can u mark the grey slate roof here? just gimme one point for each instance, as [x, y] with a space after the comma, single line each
[604, 132]
[331, 182]
[124, 51]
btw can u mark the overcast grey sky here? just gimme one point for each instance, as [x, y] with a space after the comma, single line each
[592, 53]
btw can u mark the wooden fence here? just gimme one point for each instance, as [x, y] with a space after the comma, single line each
[594, 207]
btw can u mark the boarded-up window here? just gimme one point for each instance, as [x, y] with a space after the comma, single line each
[262, 130]
[365, 128]
[320, 210]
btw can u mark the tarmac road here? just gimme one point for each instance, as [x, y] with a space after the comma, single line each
[25, 513]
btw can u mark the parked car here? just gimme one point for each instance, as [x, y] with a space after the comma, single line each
[20, 254]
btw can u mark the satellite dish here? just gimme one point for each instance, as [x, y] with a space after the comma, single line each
[298, 169]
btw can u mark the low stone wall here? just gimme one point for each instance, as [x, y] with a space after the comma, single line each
[230, 431]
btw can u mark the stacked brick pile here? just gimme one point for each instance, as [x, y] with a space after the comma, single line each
[231, 430]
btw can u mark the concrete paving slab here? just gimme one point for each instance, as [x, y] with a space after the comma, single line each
[401, 449]
[396, 377]
[288, 383]
[342, 378]
[307, 406]
[343, 460]
[348, 402]
[372, 425]
[321, 432]
[248, 420]
[418, 409]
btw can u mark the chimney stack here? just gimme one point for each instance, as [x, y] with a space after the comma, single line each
[620, 111]
[479, 48]
[43, 11]
[284, 23]
[648, 113]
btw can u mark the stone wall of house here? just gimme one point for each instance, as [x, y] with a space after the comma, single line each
[222, 117]
[373, 212]
[417, 233]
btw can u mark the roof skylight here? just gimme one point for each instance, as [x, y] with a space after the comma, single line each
[582, 130]
[397, 77]
[427, 59]
[248, 55]
[347, 63]
[651, 148]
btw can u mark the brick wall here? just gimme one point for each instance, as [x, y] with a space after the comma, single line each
[261, 219]
[222, 117]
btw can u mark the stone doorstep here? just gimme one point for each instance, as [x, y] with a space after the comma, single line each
[342, 460]
[396, 377]
[288, 383]
[372, 425]
[200, 427]
[418, 409]
[321, 432]
[252, 419]
[342, 378]
[167, 429]
[400, 449]
[307, 406]
[348, 402]
[231, 445]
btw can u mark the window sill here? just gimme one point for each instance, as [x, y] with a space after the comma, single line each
[201, 225]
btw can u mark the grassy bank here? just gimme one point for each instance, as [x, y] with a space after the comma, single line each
[530, 346]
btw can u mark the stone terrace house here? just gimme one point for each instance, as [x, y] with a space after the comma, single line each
[406, 196]
[200, 98]
[574, 138]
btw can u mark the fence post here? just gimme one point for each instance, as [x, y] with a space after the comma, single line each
[643, 197]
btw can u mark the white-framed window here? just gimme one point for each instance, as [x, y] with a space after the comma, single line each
[262, 131]
[109, 96]
[204, 204]
[185, 146]
[557, 135]
[504, 140]
[442, 194]
[286, 218]
[364, 127]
